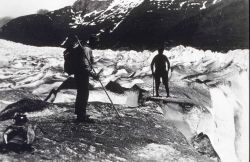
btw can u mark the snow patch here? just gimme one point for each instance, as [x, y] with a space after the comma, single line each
[161, 153]
[203, 6]
[182, 3]
[116, 12]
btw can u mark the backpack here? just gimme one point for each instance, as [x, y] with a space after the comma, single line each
[70, 61]
[19, 135]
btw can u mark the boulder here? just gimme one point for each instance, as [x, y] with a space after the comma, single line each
[203, 145]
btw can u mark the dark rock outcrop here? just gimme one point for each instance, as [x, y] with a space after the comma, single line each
[115, 87]
[22, 106]
[16, 95]
[203, 145]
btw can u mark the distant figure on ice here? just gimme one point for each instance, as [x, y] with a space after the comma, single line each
[159, 62]
[78, 61]
[19, 136]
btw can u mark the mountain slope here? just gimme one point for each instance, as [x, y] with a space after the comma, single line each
[208, 24]
[86, 6]
[47, 29]
[226, 25]
[4, 20]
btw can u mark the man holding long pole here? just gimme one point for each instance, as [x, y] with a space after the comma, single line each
[95, 75]
[82, 72]
[78, 61]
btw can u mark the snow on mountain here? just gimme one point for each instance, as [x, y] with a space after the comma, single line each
[179, 4]
[115, 13]
[120, 9]
[218, 25]
[143, 22]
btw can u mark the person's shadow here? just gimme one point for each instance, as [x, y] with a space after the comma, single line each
[67, 84]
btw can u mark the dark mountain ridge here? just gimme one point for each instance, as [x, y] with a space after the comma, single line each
[205, 24]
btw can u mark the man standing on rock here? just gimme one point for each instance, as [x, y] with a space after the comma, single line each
[159, 62]
[83, 60]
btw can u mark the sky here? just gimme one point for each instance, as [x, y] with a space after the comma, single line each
[15, 8]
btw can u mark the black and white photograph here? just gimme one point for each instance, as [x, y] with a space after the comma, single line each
[124, 80]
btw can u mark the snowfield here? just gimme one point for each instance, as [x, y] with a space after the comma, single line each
[219, 82]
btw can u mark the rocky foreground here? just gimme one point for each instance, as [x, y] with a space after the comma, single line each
[141, 134]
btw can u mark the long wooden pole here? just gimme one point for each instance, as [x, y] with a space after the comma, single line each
[153, 86]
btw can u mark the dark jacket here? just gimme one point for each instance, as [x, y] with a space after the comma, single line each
[85, 61]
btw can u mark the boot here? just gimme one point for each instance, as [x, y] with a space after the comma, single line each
[84, 119]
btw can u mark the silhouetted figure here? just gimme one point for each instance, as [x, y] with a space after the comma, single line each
[160, 62]
[82, 72]
[19, 136]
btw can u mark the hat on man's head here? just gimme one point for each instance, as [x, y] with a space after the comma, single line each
[93, 39]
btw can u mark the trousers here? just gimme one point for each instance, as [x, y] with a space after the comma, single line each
[82, 85]
[164, 76]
